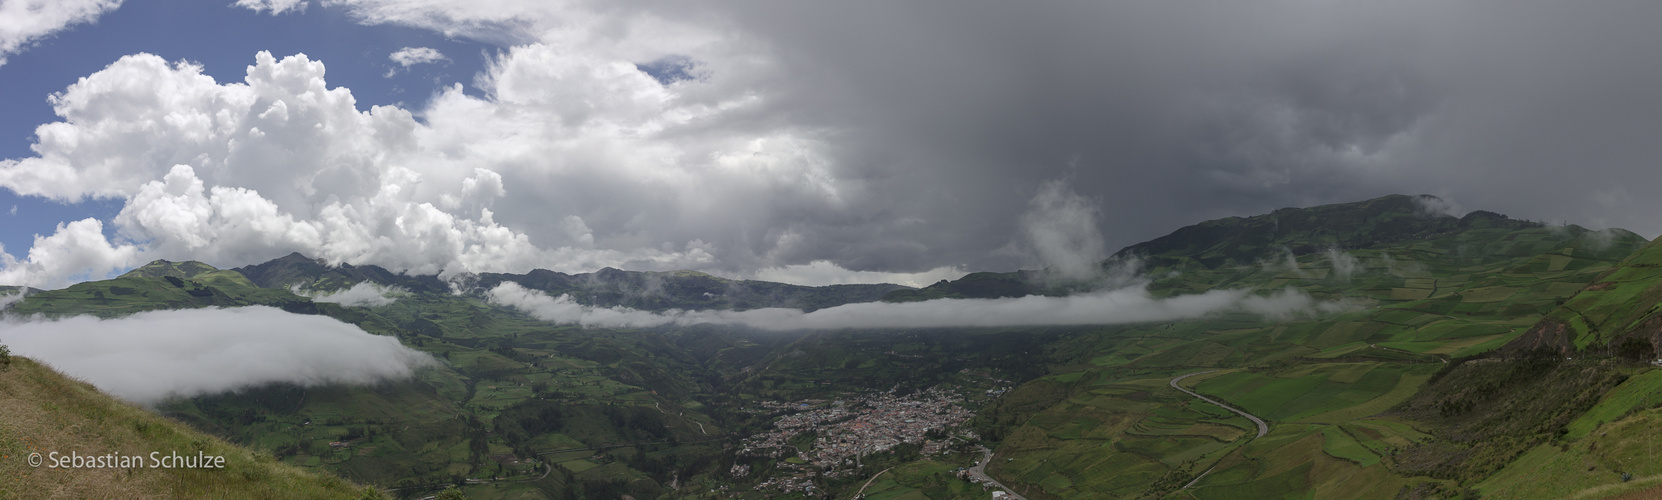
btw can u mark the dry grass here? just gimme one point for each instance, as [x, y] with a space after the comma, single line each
[42, 411]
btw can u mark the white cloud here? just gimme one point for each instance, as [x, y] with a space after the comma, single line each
[274, 6]
[410, 56]
[363, 294]
[23, 22]
[573, 160]
[1344, 265]
[243, 172]
[1062, 230]
[1125, 305]
[1286, 262]
[150, 356]
[825, 272]
[1437, 206]
[77, 251]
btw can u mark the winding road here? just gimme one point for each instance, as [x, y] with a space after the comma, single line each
[1263, 428]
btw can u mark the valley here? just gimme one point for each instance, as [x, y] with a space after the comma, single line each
[1427, 356]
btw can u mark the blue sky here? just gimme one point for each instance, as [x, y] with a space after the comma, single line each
[223, 39]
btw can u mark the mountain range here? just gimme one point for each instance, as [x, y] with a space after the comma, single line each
[1394, 350]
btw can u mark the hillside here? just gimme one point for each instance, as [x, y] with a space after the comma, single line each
[160, 285]
[424, 434]
[1301, 231]
[1413, 371]
[43, 411]
[1210, 249]
[1618, 305]
[1430, 288]
[1574, 398]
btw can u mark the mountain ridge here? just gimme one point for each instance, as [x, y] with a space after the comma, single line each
[1341, 390]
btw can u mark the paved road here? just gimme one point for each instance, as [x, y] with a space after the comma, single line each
[979, 472]
[1263, 428]
[862, 492]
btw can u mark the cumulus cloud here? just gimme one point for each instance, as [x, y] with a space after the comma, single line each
[410, 56]
[77, 251]
[1125, 305]
[825, 272]
[363, 294]
[24, 22]
[243, 172]
[151, 356]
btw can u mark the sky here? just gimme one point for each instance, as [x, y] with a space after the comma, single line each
[807, 142]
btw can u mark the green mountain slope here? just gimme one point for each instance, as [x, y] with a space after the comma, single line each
[1327, 383]
[45, 412]
[1573, 399]
[439, 429]
[1374, 227]
[295, 269]
[1620, 304]
[1302, 231]
[1419, 378]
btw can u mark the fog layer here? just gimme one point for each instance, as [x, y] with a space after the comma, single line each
[151, 356]
[1124, 305]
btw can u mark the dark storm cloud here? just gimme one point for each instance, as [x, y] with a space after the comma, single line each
[1175, 112]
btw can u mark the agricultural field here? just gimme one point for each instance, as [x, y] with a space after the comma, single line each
[1331, 385]
[1427, 357]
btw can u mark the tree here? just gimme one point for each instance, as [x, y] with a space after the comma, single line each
[5, 357]
[452, 493]
[1635, 348]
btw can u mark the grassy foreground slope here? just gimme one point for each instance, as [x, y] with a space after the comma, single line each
[42, 411]
[478, 418]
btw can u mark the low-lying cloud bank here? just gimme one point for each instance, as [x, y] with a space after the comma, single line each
[151, 356]
[363, 294]
[1125, 305]
[825, 272]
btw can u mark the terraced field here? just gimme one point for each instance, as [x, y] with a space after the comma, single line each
[1432, 357]
[1327, 383]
